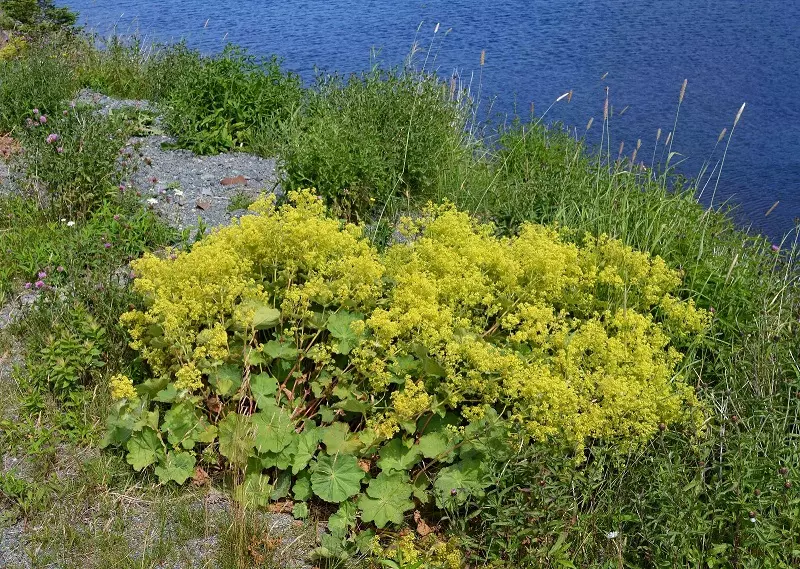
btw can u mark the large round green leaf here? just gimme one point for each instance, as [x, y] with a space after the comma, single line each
[274, 429]
[144, 448]
[336, 478]
[235, 438]
[386, 499]
[176, 466]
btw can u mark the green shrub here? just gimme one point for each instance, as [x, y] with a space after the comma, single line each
[381, 136]
[35, 17]
[71, 158]
[218, 103]
[129, 69]
[287, 334]
[72, 355]
[40, 77]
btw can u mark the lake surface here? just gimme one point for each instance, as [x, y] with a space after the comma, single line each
[731, 52]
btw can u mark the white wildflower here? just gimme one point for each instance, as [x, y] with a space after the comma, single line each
[612, 534]
[178, 193]
[152, 201]
[70, 223]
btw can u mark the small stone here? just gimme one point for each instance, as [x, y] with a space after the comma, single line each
[203, 204]
[238, 180]
[206, 192]
[207, 177]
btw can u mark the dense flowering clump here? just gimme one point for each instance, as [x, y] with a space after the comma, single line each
[288, 333]
[121, 387]
[565, 338]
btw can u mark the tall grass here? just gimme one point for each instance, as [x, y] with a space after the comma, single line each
[39, 78]
[378, 140]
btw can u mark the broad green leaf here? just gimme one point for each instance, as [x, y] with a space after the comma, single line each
[369, 441]
[264, 387]
[336, 478]
[146, 419]
[302, 486]
[395, 456]
[455, 484]
[337, 439]
[282, 485]
[254, 491]
[300, 511]
[273, 429]
[283, 459]
[235, 438]
[152, 386]
[386, 500]
[351, 400]
[176, 466]
[183, 425]
[226, 379]
[207, 435]
[339, 327]
[154, 331]
[433, 445]
[265, 317]
[307, 445]
[167, 395]
[405, 365]
[280, 350]
[144, 448]
[118, 429]
[326, 414]
[254, 357]
[353, 406]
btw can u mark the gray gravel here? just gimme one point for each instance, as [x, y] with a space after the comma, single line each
[184, 188]
[14, 547]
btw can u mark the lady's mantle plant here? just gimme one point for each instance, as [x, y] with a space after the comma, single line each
[287, 347]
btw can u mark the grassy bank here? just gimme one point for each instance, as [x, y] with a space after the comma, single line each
[718, 492]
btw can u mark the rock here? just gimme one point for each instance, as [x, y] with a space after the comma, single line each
[234, 181]
[203, 204]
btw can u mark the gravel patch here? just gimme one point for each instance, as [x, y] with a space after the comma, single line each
[185, 189]
[188, 190]
[14, 547]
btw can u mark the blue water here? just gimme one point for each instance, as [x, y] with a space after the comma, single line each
[731, 52]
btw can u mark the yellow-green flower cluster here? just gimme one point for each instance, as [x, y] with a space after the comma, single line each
[195, 298]
[570, 340]
[121, 387]
[566, 338]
